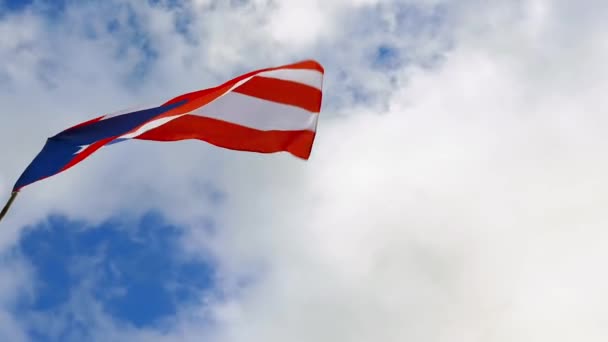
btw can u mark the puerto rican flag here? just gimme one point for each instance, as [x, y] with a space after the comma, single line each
[266, 111]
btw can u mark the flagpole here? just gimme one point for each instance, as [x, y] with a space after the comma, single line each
[8, 204]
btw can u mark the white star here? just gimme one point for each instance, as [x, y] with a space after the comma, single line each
[82, 148]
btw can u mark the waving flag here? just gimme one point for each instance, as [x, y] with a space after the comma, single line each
[268, 110]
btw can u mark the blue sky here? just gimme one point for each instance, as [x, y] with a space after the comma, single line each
[455, 192]
[16, 5]
[51, 9]
[135, 271]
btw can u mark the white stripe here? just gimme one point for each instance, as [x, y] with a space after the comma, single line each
[311, 78]
[148, 126]
[259, 114]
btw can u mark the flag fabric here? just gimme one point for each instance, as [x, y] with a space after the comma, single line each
[268, 110]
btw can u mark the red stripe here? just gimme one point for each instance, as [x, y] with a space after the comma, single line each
[228, 135]
[281, 91]
[87, 152]
[190, 96]
[86, 123]
[309, 64]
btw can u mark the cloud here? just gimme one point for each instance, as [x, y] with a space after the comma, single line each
[455, 191]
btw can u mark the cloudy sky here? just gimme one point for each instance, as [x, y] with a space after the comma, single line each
[456, 190]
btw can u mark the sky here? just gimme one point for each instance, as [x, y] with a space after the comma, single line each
[456, 190]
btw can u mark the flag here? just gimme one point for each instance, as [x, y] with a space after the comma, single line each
[268, 110]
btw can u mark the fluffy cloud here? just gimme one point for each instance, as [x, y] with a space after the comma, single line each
[455, 192]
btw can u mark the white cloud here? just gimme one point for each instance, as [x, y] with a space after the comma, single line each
[459, 201]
